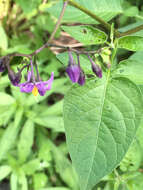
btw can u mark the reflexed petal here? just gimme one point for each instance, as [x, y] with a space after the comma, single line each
[41, 88]
[73, 72]
[26, 87]
[49, 82]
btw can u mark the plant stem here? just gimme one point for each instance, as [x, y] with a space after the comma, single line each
[59, 20]
[106, 25]
[134, 30]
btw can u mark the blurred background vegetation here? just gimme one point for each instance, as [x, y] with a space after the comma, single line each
[33, 151]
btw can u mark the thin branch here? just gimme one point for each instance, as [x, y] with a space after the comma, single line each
[59, 20]
[56, 46]
[106, 25]
[132, 31]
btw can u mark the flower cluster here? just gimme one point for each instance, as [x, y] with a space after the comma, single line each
[33, 84]
[75, 72]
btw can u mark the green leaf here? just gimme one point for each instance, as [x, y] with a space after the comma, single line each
[23, 181]
[6, 99]
[4, 171]
[101, 119]
[40, 180]
[26, 141]
[53, 122]
[132, 159]
[64, 168]
[131, 69]
[55, 188]
[3, 39]
[131, 11]
[10, 134]
[106, 9]
[30, 167]
[13, 181]
[133, 43]
[27, 5]
[86, 34]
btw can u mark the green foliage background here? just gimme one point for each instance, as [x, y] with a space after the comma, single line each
[33, 151]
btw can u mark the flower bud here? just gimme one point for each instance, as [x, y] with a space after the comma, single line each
[96, 68]
[15, 78]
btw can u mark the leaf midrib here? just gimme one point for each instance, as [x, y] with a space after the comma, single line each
[101, 111]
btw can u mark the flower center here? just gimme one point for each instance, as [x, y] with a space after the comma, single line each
[35, 91]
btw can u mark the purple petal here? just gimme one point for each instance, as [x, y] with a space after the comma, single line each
[41, 88]
[26, 87]
[73, 72]
[49, 82]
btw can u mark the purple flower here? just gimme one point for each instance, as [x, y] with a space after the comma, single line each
[36, 87]
[73, 70]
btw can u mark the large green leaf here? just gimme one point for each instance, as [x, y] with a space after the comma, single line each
[86, 34]
[101, 119]
[106, 9]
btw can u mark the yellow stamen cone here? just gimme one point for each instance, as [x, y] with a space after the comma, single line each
[35, 91]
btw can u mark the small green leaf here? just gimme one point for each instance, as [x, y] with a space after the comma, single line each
[4, 171]
[101, 119]
[133, 43]
[40, 180]
[86, 34]
[53, 122]
[26, 141]
[3, 39]
[27, 5]
[23, 181]
[6, 99]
